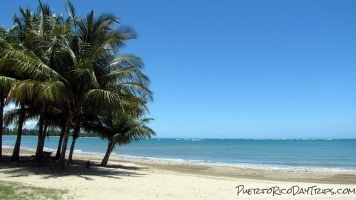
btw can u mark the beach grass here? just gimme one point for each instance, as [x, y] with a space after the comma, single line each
[12, 190]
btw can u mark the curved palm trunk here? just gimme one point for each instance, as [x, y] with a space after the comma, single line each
[16, 153]
[43, 124]
[40, 144]
[70, 157]
[105, 160]
[75, 137]
[44, 133]
[61, 160]
[58, 153]
[1, 124]
[45, 128]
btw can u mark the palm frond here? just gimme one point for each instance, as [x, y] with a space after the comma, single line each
[24, 63]
[70, 10]
[54, 91]
[128, 129]
[104, 99]
[25, 90]
[6, 83]
[11, 116]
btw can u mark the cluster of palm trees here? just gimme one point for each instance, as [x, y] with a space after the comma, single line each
[67, 73]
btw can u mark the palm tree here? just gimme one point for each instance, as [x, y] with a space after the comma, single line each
[119, 128]
[16, 152]
[59, 121]
[53, 54]
[5, 85]
[40, 100]
[76, 131]
[10, 117]
[30, 52]
[93, 47]
[28, 93]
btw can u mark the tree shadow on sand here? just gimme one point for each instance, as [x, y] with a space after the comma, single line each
[27, 167]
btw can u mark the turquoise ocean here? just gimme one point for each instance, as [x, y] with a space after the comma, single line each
[326, 154]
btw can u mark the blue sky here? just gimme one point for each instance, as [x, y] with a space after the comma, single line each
[240, 69]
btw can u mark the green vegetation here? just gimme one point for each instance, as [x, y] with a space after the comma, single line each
[10, 191]
[34, 132]
[67, 73]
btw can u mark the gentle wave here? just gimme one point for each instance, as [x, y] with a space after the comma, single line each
[291, 154]
[253, 139]
[187, 139]
[243, 165]
[286, 166]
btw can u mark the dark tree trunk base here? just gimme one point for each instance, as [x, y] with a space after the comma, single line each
[105, 160]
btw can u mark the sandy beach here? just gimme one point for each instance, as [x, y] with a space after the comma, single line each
[123, 179]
